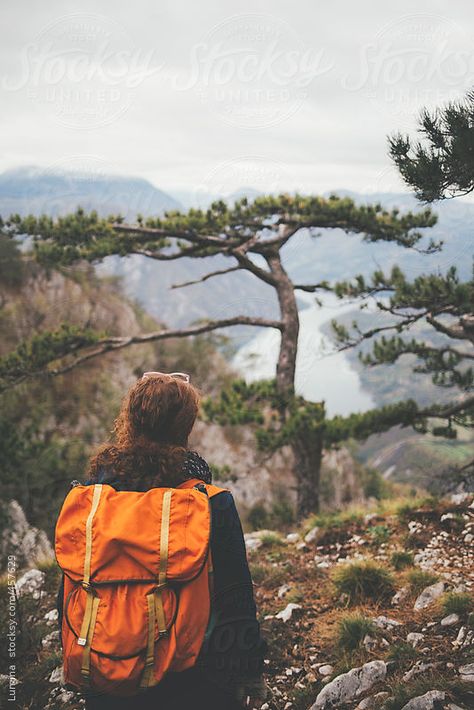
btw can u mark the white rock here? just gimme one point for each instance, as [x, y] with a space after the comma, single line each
[57, 676]
[415, 638]
[428, 596]
[447, 516]
[6, 681]
[51, 616]
[292, 537]
[369, 642]
[286, 613]
[30, 583]
[415, 670]
[311, 535]
[326, 669]
[468, 538]
[450, 620]
[459, 498]
[284, 589]
[50, 640]
[350, 686]
[401, 596]
[383, 622]
[373, 702]
[428, 701]
[468, 669]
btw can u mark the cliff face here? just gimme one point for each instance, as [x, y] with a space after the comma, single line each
[26, 543]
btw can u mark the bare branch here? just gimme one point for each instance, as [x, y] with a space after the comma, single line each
[207, 276]
[111, 344]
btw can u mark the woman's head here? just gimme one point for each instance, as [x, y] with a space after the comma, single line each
[159, 408]
[151, 431]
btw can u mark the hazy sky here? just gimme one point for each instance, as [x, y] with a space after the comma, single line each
[219, 94]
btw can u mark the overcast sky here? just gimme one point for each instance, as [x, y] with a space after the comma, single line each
[219, 94]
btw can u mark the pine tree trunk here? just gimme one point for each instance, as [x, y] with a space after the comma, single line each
[308, 450]
[307, 444]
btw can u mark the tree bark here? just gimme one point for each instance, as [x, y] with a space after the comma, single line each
[306, 444]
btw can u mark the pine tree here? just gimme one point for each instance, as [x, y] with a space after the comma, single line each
[439, 166]
[251, 235]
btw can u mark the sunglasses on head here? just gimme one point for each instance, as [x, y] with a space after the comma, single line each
[179, 375]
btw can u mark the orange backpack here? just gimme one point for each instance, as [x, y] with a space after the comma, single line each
[136, 583]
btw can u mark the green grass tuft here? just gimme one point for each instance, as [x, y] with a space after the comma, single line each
[418, 579]
[401, 559]
[363, 580]
[351, 630]
[460, 603]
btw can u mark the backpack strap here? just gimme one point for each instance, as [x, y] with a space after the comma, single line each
[155, 598]
[92, 601]
[210, 489]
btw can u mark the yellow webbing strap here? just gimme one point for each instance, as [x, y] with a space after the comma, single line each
[164, 543]
[147, 678]
[92, 602]
[86, 656]
[88, 556]
[155, 599]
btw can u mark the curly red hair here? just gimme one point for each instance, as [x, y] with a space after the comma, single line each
[151, 432]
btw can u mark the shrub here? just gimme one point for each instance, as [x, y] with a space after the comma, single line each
[352, 629]
[418, 579]
[258, 572]
[363, 580]
[457, 603]
[401, 559]
[282, 513]
[374, 484]
[270, 538]
[379, 533]
[258, 517]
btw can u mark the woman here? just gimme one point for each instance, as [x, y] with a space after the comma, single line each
[150, 449]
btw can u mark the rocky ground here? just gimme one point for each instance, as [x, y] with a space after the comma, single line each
[360, 610]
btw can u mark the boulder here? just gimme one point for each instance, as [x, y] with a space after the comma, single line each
[311, 535]
[428, 701]
[428, 596]
[31, 583]
[450, 620]
[350, 686]
[28, 544]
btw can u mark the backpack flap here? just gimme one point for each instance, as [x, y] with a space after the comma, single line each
[126, 531]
